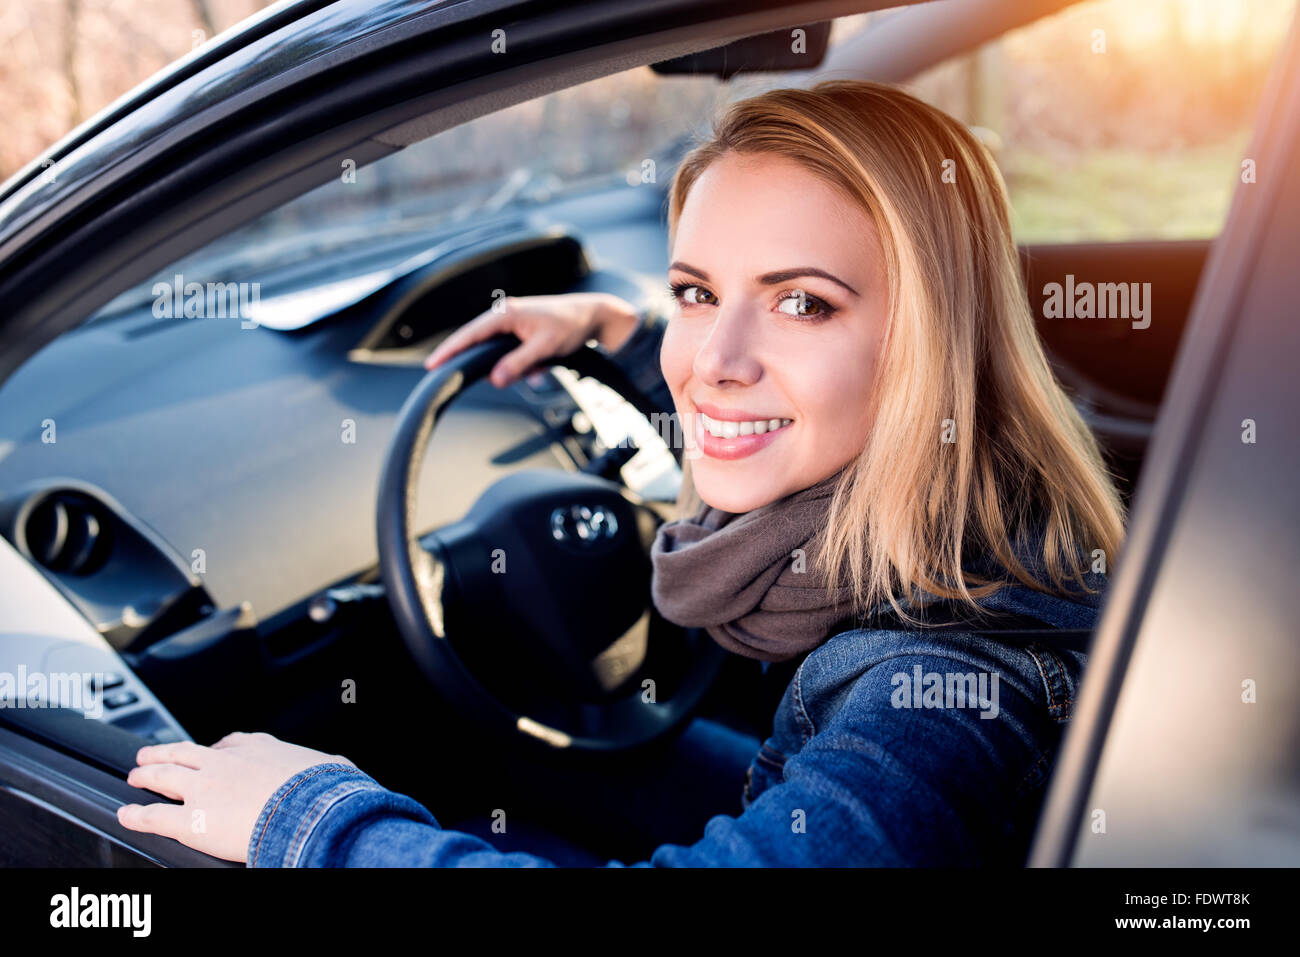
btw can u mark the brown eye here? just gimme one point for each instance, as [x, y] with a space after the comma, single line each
[801, 304]
[695, 295]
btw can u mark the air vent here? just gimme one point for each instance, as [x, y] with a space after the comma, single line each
[68, 533]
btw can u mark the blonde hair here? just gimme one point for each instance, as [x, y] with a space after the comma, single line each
[975, 446]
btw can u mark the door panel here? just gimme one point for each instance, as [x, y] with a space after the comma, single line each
[1117, 373]
[1122, 367]
[58, 811]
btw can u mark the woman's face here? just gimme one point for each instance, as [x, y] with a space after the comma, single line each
[782, 303]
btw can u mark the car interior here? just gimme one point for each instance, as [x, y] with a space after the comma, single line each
[204, 493]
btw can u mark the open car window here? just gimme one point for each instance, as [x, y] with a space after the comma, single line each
[1115, 121]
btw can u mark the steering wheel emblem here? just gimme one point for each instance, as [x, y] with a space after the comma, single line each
[582, 524]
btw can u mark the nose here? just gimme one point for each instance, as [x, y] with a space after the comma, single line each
[727, 355]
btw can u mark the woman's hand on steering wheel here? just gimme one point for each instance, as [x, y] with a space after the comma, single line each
[547, 327]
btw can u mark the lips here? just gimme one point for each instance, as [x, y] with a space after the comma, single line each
[730, 434]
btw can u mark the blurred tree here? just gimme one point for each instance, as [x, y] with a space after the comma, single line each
[204, 13]
[71, 27]
[64, 60]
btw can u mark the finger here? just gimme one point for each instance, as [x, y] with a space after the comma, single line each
[169, 780]
[185, 753]
[533, 352]
[169, 820]
[232, 739]
[483, 326]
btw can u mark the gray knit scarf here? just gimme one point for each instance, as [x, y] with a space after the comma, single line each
[737, 575]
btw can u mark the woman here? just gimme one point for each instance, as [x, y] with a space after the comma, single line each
[873, 428]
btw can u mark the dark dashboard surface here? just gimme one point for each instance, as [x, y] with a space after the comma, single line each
[255, 453]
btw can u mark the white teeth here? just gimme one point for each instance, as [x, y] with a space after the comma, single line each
[730, 429]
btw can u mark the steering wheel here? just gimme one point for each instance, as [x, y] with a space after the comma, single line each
[532, 614]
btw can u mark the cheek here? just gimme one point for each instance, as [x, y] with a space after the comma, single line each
[676, 357]
[834, 400]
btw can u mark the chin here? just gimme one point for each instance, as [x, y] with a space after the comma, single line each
[732, 494]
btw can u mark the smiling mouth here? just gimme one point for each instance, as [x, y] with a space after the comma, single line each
[730, 429]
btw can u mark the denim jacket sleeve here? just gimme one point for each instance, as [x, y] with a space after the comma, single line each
[877, 785]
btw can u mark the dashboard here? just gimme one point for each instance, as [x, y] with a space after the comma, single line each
[257, 452]
[52, 659]
[184, 505]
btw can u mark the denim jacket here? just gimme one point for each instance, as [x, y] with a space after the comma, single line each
[894, 748]
[888, 747]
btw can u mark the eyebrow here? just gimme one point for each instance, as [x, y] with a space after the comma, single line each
[772, 278]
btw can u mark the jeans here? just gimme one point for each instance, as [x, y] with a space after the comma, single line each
[636, 803]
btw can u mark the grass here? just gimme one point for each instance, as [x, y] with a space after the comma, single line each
[1122, 194]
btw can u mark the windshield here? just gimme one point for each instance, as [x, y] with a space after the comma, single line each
[628, 129]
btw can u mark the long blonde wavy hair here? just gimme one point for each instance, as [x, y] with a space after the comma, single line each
[975, 445]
